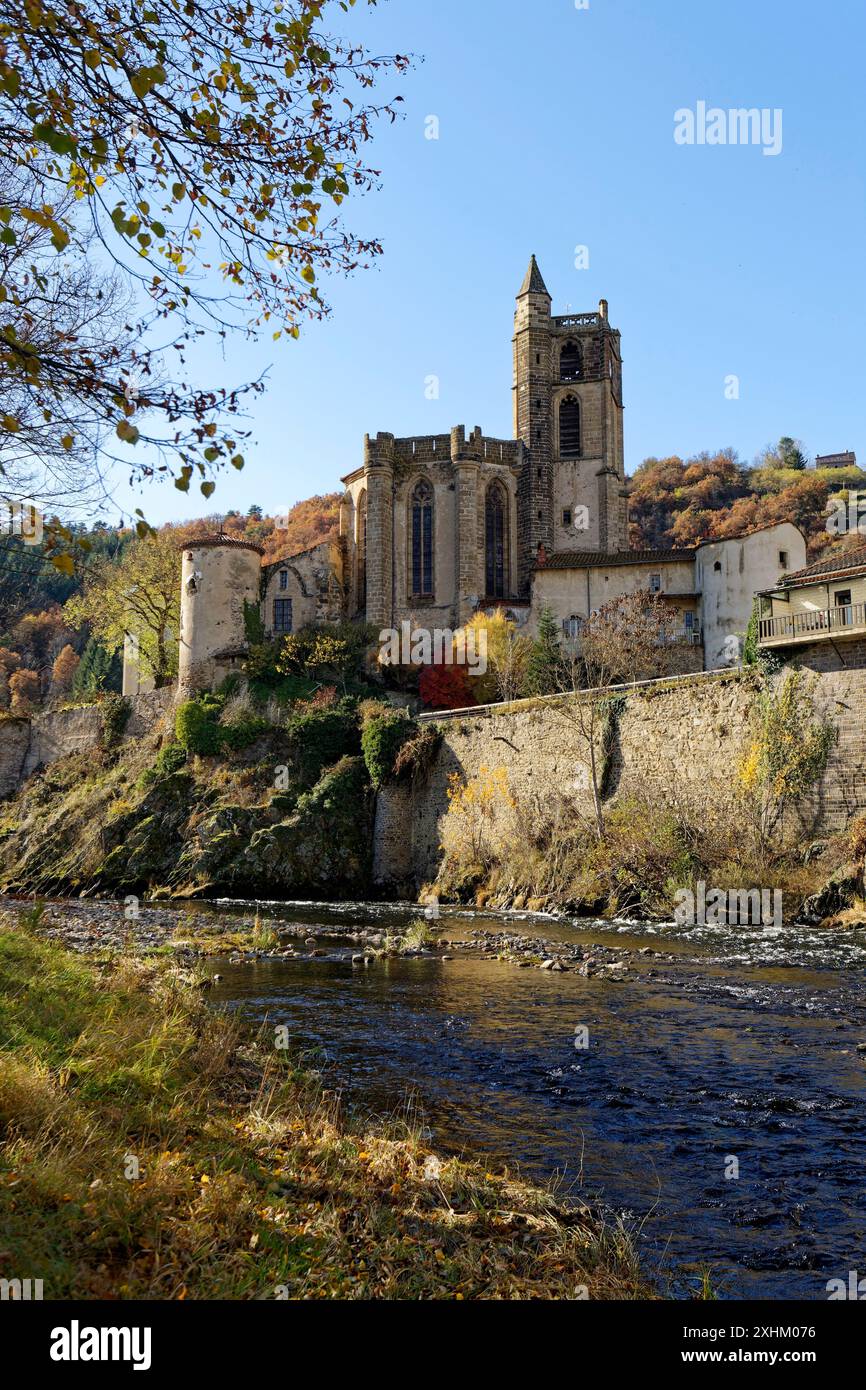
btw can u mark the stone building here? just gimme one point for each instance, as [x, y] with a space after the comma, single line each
[441, 525]
[436, 527]
[711, 588]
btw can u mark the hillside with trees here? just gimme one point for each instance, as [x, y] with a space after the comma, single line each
[677, 503]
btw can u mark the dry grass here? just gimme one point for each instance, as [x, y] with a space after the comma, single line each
[253, 1182]
[545, 851]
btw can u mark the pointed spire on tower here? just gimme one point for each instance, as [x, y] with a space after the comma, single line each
[534, 281]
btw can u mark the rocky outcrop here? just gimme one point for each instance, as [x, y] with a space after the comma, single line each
[324, 848]
[837, 896]
[124, 821]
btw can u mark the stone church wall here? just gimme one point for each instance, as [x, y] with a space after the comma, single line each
[314, 582]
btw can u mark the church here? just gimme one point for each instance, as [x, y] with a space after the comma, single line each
[435, 527]
[442, 525]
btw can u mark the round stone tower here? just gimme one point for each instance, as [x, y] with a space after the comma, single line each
[219, 576]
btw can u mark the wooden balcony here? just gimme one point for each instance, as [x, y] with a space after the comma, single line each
[846, 620]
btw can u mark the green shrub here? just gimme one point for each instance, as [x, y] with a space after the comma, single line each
[260, 666]
[319, 738]
[242, 732]
[286, 690]
[337, 651]
[340, 792]
[381, 740]
[169, 760]
[196, 728]
[115, 712]
[231, 686]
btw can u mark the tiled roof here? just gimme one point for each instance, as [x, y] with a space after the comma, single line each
[844, 563]
[209, 542]
[597, 559]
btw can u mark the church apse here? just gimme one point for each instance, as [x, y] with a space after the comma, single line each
[424, 550]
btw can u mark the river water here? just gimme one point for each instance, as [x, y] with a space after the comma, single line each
[738, 1055]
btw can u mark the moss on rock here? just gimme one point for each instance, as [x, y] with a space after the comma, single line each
[324, 848]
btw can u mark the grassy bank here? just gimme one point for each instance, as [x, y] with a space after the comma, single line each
[252, 1181]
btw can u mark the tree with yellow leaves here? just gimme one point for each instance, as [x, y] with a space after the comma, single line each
[138, 594]
[208, 148]
[472, 826]
[494, 638]
[787, 754]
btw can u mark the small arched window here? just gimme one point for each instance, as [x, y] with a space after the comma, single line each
[496, 541]
[569, 428]
[361, 549]
[570, 363]
[421, 531]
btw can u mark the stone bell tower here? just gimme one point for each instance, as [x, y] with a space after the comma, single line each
[532, 420]
[568, 411]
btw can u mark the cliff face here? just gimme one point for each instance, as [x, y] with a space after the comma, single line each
[14, 743]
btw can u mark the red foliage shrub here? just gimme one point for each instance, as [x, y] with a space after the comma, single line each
[445, 687]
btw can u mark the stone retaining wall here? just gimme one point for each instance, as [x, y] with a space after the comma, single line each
[682, 738]
[28, 744]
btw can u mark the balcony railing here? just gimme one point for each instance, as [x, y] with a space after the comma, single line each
[680, 637]
[845, 620]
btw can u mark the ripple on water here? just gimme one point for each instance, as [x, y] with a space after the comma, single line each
[740, 1044]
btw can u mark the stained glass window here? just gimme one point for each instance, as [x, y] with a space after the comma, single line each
[422, 540]
[496, 542]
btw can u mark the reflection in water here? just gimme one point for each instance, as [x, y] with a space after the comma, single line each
[742, 1045]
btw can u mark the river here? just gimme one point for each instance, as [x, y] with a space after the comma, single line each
[718, 1106]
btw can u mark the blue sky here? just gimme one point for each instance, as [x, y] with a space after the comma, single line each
[557, 131]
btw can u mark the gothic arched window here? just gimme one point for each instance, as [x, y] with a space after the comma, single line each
[570, 363]
[496, 541]
[361, 549]
[569, 428]
[421, 532]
